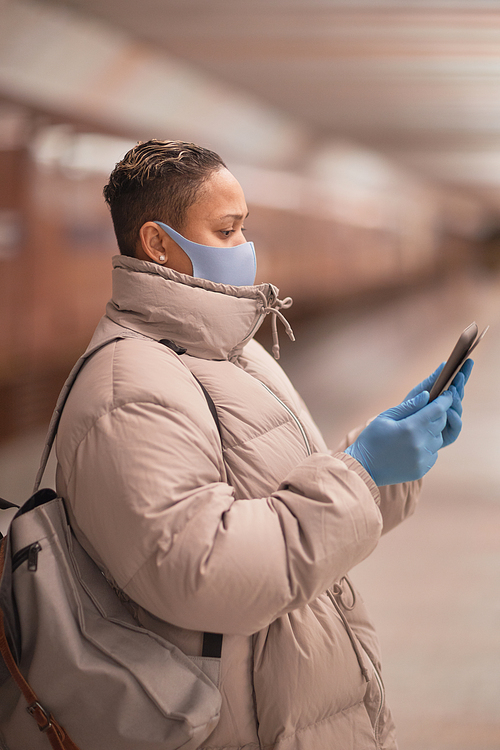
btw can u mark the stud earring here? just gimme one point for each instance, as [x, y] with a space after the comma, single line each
[162, 257]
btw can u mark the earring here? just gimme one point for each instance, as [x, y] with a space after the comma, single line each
[162, 257]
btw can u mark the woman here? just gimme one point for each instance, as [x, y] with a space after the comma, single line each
[250, 533]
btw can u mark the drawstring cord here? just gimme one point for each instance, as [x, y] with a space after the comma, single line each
[338, 592]
[275, 309]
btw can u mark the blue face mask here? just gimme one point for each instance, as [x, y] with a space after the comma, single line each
[224, 265]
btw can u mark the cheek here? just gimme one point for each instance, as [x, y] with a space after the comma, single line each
[179, 261]
[238, 238]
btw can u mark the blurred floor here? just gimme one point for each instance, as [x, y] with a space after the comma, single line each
[433, 585]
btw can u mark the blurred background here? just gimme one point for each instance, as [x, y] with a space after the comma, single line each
[366, 135]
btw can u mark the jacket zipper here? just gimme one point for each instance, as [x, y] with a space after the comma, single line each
[253, 328]
[376, 673]
[29, 553]
[294, 417]
[381, 688]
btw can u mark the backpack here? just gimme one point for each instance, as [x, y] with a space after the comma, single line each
[78, 672]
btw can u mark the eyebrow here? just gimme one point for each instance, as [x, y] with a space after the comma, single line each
[234, 216]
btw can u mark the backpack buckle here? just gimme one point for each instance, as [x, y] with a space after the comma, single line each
[38, 712]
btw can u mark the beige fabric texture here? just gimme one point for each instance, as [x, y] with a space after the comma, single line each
[252, 538]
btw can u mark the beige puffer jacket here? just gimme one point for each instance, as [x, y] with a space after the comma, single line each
[252, 540]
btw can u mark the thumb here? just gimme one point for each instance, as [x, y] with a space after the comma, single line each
[407, 408]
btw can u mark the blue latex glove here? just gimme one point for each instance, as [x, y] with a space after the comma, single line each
[401, 444]
[454, 421]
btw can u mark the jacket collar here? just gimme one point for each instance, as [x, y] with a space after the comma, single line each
[211, 321]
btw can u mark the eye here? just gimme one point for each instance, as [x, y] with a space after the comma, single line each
[226, 232]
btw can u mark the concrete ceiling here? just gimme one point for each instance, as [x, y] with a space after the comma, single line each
[419, 81]
[272, 83]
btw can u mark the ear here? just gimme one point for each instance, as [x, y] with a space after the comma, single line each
[154, 244]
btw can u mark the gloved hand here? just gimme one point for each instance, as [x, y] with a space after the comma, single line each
[401, 444]
[454, 422]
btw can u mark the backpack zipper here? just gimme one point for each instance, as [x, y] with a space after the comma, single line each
[29, 553]
[294, 417]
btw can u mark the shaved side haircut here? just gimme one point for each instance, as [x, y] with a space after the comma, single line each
[156, 181]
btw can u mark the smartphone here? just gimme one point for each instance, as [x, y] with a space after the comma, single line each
[466, 343]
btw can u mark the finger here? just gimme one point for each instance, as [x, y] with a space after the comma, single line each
[466, 369]
[433, 416]
[434, 443]
[459, 384]
[407, 408]
[426, 384]
[438, 369]
[436, 427]
[430, 460]
[429, 382]
[457, 401]
[439, 406]
[453, 427]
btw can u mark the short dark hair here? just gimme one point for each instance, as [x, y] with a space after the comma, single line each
[156, 181]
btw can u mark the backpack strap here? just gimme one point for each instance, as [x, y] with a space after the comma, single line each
[63, 397]
[6, 505]
[212, 642]
[180, 350]
[212, 645]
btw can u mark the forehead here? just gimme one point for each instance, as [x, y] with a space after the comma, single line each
[220, 197]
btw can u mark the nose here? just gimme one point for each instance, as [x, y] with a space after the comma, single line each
[238, 238]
